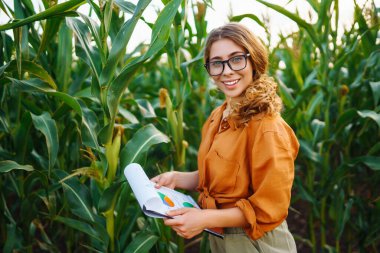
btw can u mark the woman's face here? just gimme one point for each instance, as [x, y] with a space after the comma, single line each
[231, 82]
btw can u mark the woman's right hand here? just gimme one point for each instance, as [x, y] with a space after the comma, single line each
[167, 179]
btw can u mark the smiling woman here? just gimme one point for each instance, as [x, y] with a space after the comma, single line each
[79, 101]
[246, 157]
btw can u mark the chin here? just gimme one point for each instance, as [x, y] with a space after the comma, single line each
[233, 94]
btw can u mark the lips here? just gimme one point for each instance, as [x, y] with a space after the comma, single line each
[230, 83]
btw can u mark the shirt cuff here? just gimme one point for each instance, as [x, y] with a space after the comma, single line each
[254, 231]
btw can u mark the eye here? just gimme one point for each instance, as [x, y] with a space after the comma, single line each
[216, 64]
[237, 59]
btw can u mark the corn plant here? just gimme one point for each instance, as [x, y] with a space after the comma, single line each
[63, 129]
[330, 88]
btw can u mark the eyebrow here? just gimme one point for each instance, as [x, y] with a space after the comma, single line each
[231, 54]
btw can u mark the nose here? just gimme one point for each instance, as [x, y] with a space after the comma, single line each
[227, 70]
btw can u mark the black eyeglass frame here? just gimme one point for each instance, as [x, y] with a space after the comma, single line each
[207, 65]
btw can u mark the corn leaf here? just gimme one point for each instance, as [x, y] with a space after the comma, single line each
[94, 32]
[250, 16]
[48, 127]
[302, 23]
[80, 226]
[57, 10]
[160, 36]
[126, 6]
[51, 29]
[8, 165]
[137, 147]
[142, 243]
[78, 196]
[372, 162]
[109, 197]
[36, 85]
[120, 42]
[375, 87]
[34, 69]
[81, 31]
[64, 57]
[370, 114]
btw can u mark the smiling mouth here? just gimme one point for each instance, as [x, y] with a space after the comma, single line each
[231, 83]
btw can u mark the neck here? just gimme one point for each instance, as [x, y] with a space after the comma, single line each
[232, 101]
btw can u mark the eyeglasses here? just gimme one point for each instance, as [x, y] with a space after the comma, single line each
[216, 68]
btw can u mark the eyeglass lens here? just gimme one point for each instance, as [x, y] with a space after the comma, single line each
[235, 63]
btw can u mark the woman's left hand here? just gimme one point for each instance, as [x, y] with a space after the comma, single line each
[187, 222]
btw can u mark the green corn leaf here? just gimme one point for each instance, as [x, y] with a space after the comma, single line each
[8, 165]
[109, 197]
[89, 127]
[324, 13]
[22, 134]
[307, 151]
[302, 23]
[345, 217]
[3, 68]
[136, 148]
[142, 243]
[372, 162]
[370, 114]
[8, 11]
[250, 16]
[315, 102]
[304, 193]
[28, 6]
[34, 69]
[50, 30]
[80, 226]
[64, 57]
[120, 43]
[286, 94]
[160, 36]
[23, 34]
[107, 16]
[94, 32]
[368, 40]
[36, 85]
[126, 6]
[318, 127]
[48, 127]
[17, 33]
[81, 31]
[61, 9]
[314, 4]
[124, 206]
[344, 119]
[146, 108]
[78, 196]
[14, 241]
[375, 87]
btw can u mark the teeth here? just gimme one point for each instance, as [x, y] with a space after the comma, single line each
[231, 83]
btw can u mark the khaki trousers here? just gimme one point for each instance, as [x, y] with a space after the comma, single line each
[279, 240]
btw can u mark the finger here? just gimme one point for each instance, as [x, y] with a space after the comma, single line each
[172, 222]
[179, 211]
[156, 180]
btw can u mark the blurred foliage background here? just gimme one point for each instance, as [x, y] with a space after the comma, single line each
[76, 107]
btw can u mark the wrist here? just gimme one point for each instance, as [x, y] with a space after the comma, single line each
[175, 178]
[207, 216]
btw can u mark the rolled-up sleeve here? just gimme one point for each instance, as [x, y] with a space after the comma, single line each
[272, 174]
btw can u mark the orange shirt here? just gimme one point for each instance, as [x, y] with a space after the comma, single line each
[250, 167]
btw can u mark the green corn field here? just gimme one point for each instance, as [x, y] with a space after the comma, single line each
[78, 103]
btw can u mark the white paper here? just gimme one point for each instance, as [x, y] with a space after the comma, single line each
[155, 202]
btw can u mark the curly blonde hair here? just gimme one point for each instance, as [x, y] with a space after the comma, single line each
[260, 96]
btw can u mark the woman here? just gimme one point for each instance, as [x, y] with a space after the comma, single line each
[246, 157]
